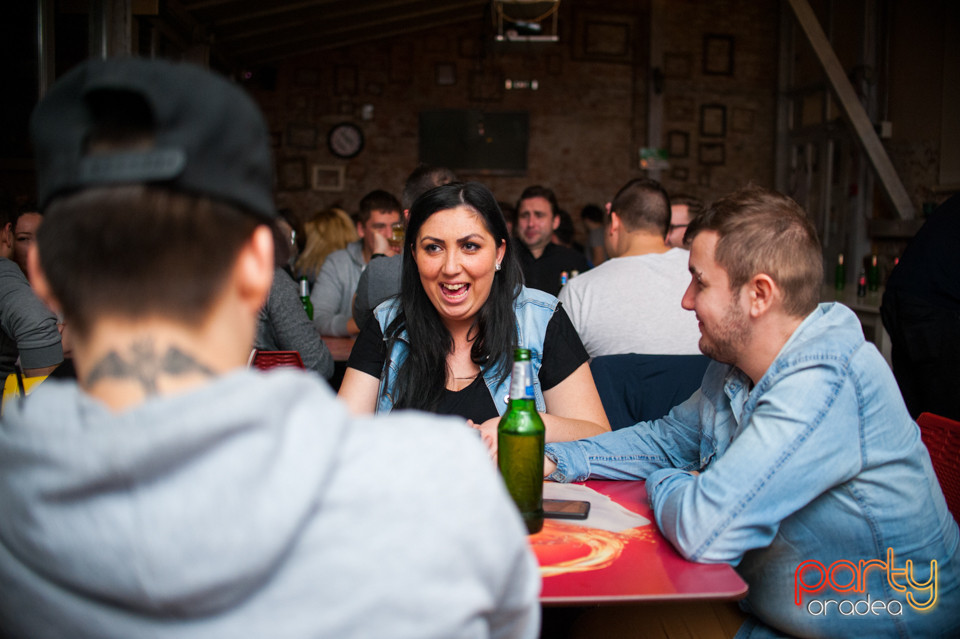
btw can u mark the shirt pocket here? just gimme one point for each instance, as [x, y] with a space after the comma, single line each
[708, 450]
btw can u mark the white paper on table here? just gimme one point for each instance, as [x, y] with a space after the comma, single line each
[605, 513]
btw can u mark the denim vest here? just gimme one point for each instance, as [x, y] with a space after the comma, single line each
[533, 310]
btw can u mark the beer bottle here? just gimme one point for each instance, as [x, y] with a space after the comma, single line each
[873, 275]
[305, 297]
[520, 438]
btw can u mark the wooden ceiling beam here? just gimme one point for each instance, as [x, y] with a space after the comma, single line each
[372, 27]
[381, 35]
[357, 9]
[277, 9]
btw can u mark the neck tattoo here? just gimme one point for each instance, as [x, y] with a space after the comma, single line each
[144, 365]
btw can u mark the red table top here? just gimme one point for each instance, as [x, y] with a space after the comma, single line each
[339, 347]
[583, 565]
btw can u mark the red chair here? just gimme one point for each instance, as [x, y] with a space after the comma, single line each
[942, 437]
[265, 360]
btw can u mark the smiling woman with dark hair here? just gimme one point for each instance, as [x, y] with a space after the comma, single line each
[446, 344]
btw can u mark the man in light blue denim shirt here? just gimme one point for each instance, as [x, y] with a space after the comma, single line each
[796, 461]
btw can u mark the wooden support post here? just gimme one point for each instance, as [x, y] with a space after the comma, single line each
[854, 111]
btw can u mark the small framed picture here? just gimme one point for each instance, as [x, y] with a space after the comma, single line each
[717, 54]
[713, 120]
[712, 153]
[327, 177]
[678, 144]
[603, 37]
[446, 74]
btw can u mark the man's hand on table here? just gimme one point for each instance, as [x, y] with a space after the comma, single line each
[548, 466]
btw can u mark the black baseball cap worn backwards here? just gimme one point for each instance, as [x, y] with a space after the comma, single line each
[209, 137]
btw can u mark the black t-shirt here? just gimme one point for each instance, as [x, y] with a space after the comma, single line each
[563, 353]
[544, 272]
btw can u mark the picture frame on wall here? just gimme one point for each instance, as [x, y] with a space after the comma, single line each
[712, 153]
[292, 174]
[327, 177]
[446, 74]
[678, 144]
[713, 120]
[717, 54]
[603, 37]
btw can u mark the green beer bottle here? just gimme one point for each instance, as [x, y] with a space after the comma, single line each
[305, 297]
[520, 438]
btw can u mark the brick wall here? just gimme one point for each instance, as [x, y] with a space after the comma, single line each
[588, 117]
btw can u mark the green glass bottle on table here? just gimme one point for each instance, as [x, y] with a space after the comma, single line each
[305, 297]
[520, 439]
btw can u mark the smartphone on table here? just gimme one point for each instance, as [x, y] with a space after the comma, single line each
[565, 509]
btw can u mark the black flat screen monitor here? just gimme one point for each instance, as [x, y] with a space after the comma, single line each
[479, 142]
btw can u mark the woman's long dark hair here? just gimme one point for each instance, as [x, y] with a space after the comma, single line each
[423, 375]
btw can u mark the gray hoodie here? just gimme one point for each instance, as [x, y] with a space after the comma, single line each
[254, 506]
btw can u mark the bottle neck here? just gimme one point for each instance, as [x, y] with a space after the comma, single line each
[521, 382]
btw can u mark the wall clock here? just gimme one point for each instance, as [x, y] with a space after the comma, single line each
[345, 140]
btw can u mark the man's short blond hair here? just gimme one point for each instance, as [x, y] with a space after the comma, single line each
[762, 231]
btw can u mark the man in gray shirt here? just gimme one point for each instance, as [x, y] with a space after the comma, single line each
[336, 283]
[28, 329]
[631, 302]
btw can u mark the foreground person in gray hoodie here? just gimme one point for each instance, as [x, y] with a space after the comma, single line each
[171, 492]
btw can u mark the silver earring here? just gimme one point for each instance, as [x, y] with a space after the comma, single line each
[498, 266]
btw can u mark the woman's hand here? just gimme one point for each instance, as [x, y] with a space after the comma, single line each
[488, 433]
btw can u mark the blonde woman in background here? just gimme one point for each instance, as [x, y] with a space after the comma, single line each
[329, 230]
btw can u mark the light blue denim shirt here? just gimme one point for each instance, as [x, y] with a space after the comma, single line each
[819, 461]
[533, 309]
